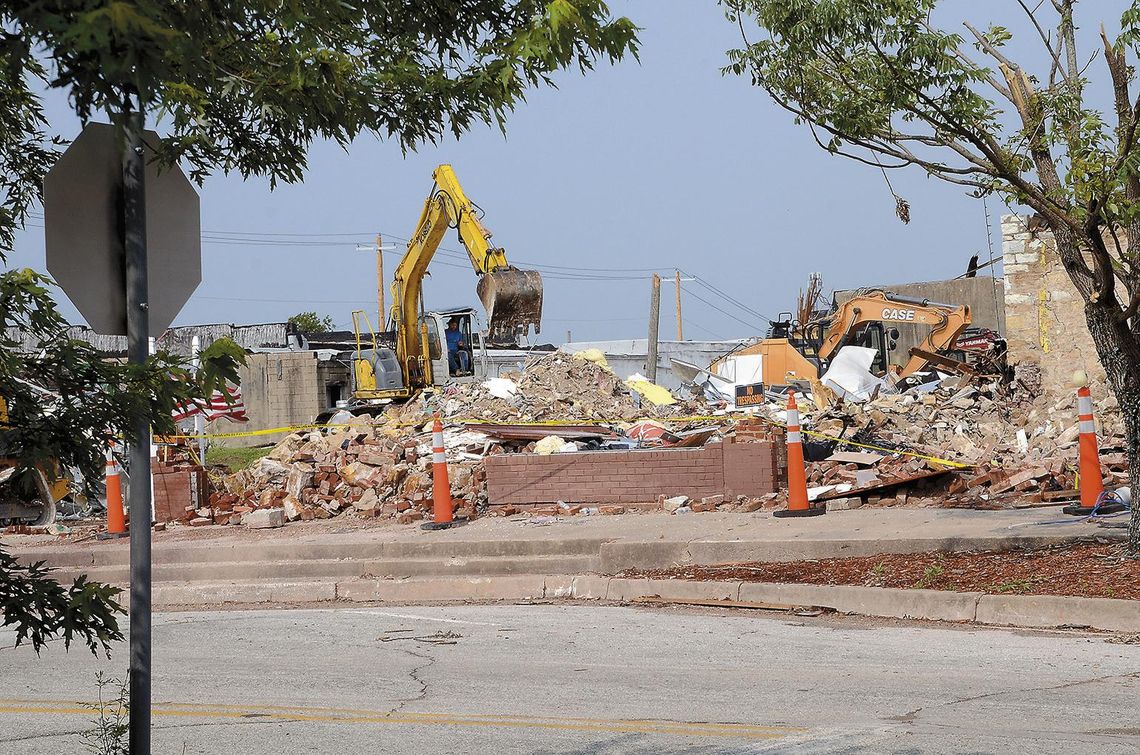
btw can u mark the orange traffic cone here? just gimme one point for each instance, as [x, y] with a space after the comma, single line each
[1091, 482]
[442, 506]
[797, 475]
[116, 520]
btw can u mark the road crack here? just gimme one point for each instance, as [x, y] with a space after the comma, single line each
[912, 716]
[1066, 685]
[414, 675]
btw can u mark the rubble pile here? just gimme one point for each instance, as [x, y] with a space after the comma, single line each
[364, 468]
[957, 441]
[381, 467]
[550, 387]
[1011, 446]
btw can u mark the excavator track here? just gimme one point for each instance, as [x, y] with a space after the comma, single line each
[28, 500]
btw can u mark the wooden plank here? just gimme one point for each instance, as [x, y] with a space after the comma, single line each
[943, 361]
[1040, 504]
[855, 457]
[884, 485]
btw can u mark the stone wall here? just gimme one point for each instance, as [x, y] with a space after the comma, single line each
[1044, 314]
[636, 477]
[279, 389]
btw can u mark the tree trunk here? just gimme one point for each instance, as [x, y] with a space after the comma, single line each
[1119, 354]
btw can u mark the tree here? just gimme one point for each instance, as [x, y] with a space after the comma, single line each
[311, 322]
[246, 85]
[880, 82]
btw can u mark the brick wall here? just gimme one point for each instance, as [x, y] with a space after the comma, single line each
[1044, 314]
[175, 490]
[731, 468]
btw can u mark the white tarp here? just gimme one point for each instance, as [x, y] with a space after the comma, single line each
[849, 374]
[745, 369]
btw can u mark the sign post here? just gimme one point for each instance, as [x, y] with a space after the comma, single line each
[123, 240]
[138, 331]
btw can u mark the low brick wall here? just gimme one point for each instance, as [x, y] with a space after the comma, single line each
[175, 490]
[730, 468]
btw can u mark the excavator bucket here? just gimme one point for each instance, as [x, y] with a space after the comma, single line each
[513, 301]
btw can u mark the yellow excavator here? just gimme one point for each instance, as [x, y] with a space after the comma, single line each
[28, 497]
[417, 357]
[802, 352]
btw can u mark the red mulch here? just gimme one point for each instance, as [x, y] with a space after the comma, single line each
[1095, 571]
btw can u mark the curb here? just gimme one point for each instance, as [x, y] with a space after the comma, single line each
[934, 605]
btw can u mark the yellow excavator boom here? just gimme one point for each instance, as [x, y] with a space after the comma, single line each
[511, 297]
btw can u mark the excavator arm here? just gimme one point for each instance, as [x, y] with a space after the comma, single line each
[511, 297]
[946, 322]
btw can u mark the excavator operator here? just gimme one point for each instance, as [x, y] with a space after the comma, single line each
[458, 360]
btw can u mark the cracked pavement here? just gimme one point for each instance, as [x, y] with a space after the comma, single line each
[586, 678]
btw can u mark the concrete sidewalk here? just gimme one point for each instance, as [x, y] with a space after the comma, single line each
[576, 545]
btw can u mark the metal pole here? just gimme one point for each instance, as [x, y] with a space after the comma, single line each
[380, 322]
[199, 418]
[680, 334]
[138, 327]
[654, 321]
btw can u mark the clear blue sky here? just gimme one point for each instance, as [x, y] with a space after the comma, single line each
[652, 165]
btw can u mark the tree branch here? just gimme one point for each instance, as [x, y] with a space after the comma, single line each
[1056, 66]
[991, 80]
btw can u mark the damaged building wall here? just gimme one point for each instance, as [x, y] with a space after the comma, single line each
[984, 295]
[282, 389]
[638, 477]
[1045, 320]
[177, 340]
[629, 356]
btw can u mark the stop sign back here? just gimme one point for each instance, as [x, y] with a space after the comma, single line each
[83, 232]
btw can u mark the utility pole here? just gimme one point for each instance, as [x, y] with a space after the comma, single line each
[654, 322]
[138, 441]
[680, 333]
[380, 322]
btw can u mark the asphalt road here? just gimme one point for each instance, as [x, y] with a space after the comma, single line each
[589, 679]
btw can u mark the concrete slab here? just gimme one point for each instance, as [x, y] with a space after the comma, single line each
[676, 589]
[344, 549]
[241, 593]
[869, 601]
[1055, 611]
[518, 587]
[589, 587]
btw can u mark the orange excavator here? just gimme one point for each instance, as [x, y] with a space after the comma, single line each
[793, 351]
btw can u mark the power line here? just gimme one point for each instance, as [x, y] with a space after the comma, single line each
[339, 239]
[718, 309]
[286, 301]
[727, 297]
[690, 324]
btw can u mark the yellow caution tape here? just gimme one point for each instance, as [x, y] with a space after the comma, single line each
[549, 423]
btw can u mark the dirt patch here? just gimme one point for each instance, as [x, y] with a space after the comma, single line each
[1092, 570]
